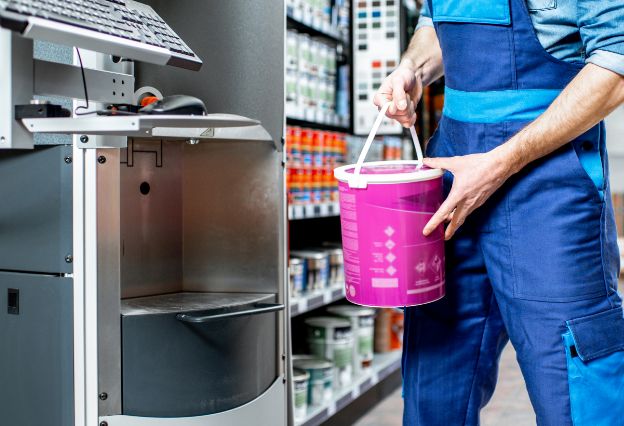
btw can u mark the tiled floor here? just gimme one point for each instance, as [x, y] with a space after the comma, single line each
[509, 405]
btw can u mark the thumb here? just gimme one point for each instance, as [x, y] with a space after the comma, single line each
[398, 94]
[438, 163]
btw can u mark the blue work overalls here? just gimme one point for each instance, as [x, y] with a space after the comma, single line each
[538, 264]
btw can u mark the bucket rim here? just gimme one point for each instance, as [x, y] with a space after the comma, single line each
[341, 173]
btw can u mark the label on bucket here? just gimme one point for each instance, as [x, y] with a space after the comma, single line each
[387, 260]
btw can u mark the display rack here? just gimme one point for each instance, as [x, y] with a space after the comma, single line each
[312, 211]
[315, 300]
[313, 124]
[313, 31]
[383, 366]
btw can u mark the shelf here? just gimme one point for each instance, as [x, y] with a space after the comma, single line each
[313, 124]
[189, 302]
[383, 366]
[314, 31]
[308, 302]
[211, 126]
[312, 211]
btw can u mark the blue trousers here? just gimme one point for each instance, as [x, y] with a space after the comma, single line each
[537, 265]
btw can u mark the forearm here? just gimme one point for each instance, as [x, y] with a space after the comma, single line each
[424, 56]
[590, 97]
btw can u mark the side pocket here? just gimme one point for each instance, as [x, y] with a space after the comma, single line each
[594, 347]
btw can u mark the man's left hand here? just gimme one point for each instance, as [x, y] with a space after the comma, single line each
[475, 178]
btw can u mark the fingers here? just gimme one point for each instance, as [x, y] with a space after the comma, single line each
[399, 97]
[407, 117]
[443, 213]
[457, 220]
[384, 93]
[446, 163]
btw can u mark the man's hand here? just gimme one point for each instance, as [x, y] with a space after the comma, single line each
[404, 88]
[475, 178]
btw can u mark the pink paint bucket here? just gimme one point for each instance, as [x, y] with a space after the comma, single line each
[384, 207]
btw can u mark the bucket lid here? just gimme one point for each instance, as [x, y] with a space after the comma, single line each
[311, 362]
[300, 375]
[351, 311]
[398, 171]
[328, 322]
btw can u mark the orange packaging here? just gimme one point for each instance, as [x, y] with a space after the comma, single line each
[388, 330]
[306, 147]
[317, 148]
[397, 323]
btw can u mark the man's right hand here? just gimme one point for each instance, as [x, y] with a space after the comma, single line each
[404, 88]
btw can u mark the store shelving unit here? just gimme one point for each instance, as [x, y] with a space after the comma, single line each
[312, 211]
[314, 125]
[315, 300]
[383, 366]
[313, 31]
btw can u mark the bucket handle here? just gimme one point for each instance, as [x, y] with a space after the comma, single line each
[355, 181]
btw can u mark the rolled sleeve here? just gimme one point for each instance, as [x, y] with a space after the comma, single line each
[600, 23]
[425, 17]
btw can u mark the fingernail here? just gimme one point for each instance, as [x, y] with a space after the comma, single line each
[402, 104]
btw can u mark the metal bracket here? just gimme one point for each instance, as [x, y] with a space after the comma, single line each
[56, 79]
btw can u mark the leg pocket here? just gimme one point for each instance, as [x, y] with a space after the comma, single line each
[594, 348]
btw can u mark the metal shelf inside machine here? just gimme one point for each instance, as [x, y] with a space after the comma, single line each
[211, 126]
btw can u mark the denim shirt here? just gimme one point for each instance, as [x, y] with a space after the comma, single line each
[590, 31]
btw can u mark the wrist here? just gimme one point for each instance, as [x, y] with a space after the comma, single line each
[409, 64]
[509, 159]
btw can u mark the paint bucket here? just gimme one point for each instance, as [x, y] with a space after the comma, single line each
[384, 207]
[336, 265]
[332, 338]
[301, 380]
[297, 276]
[363, 326]
[317, 266]
[320, 382]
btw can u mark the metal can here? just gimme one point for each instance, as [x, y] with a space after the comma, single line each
[297, 276]
[301, 379]
[336, 266]
[332, 338]
[320, 383]
[317, 268]
[363, 326]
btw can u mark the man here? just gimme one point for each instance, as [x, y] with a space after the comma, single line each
[531, 255]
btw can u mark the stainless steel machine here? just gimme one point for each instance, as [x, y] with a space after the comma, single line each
[142, 266]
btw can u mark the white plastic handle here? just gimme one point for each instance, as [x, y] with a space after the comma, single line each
[356, 181]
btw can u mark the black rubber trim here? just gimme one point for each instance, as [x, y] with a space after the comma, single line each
[13, 22]
[181, 62]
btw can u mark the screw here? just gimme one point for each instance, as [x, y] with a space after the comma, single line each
[84, 138]
[103, 423]
[103, 396]
[68, 160]
[69, 258]
[101, 159]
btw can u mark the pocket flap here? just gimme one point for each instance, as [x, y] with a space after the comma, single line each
[599, 334]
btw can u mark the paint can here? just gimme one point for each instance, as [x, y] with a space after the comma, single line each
[332, 338]
[317, 262]
[301, 380]
[320, 382]
[363, 327]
